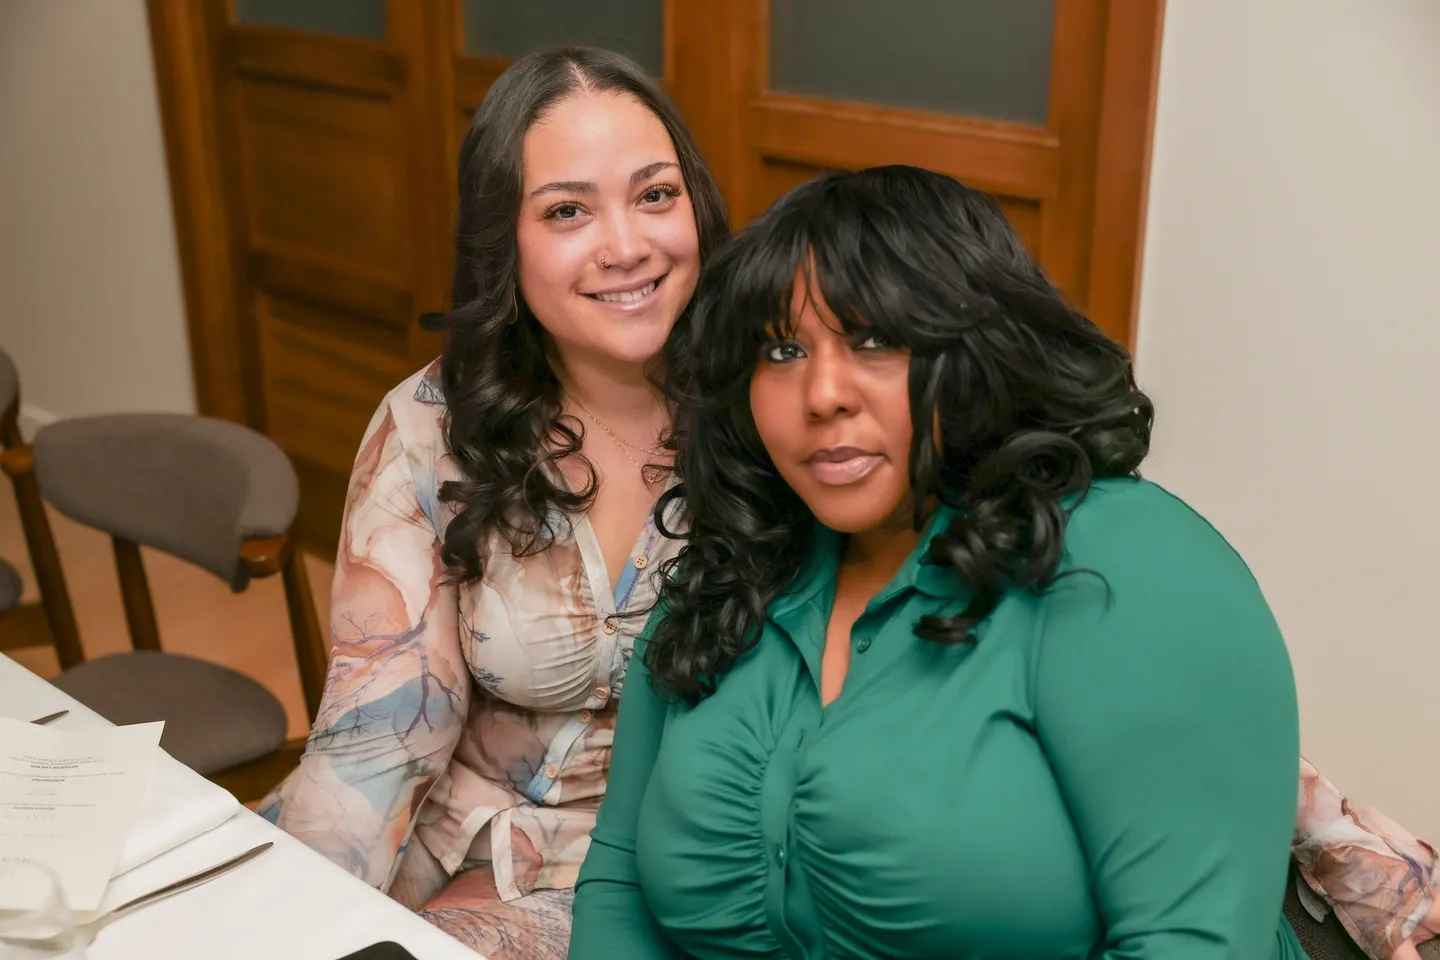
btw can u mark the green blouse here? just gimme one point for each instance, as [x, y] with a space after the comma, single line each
[1108, 773]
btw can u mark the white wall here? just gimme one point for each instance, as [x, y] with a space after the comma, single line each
[1290, 334]
[90, 295]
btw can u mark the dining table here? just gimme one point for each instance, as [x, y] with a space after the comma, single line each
[290, 903]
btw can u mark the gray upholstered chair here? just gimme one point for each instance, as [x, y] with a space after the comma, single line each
[9, 402]
[10, 584]
[10, 588]
[22, 625]
[210, 492]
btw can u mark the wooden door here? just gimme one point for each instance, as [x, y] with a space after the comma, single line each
[1045, 104]
[303, 144]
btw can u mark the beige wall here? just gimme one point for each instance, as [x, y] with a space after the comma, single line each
[1290, 333]
[90, 297]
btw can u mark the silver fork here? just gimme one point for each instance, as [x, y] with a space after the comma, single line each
[85, 932]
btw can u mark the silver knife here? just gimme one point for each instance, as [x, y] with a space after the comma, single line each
[83, 934]
[88, 929]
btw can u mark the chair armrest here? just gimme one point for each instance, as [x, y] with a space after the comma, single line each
[266, 556]
[18, 461]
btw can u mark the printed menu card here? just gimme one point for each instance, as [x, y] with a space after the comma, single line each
[68, 800]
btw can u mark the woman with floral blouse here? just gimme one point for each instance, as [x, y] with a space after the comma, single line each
[499, 530]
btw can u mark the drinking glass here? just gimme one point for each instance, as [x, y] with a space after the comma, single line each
[35, 921]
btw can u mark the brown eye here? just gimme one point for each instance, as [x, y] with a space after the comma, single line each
[782, 351]
[660, 193]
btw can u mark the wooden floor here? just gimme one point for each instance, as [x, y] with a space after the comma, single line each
[198, 614]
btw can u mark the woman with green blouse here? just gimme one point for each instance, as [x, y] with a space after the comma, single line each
[937, 675]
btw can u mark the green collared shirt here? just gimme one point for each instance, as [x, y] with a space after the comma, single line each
[1109, 772]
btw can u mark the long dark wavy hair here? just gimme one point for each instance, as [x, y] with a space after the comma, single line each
[1032, 402]
[504, 421]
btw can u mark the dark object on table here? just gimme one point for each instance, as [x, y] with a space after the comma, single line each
[389, 950]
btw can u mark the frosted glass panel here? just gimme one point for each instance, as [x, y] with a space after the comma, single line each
[987, 58]
[364, 19]
[511, 28]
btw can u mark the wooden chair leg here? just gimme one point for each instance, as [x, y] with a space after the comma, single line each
[19, 463]
[135, 594]
[311, 649]
[25, 627]
[253, 780]
[266, 557]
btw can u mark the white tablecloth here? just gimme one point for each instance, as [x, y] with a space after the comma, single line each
[291, 904]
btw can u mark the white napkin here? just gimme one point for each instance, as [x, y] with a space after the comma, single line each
[179, 806]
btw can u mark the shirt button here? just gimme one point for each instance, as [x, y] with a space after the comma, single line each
[780, 856]
[602, 693]
[610, 625]
[552, 771]
[862, 644]
[641, 562]
[586, 716]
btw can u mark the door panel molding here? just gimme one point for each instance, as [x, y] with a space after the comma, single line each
[342, 63]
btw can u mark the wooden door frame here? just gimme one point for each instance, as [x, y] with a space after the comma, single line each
[1122, 174]
[184, 41]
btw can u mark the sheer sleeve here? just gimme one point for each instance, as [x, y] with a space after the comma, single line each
[397, 689]
[1378, 877]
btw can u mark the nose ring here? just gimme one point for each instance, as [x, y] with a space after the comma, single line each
[604, 262]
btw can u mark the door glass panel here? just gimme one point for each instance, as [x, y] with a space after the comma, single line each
[512, 28]
[364, 19]
[987, 58]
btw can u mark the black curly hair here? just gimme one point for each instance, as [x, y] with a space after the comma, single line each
[504, 420]
[1033, 402]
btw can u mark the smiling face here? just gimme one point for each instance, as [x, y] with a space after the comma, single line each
[608, 251]
[833, 411]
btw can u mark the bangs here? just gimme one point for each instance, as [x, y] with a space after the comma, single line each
[855, 247]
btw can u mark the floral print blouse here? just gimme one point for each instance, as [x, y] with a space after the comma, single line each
[1382, 882]
[476, 720]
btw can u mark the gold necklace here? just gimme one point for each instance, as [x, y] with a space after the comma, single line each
[649, 472]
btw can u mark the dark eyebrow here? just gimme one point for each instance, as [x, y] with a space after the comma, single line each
[649, 170]
[587, 186]
[565, 186]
